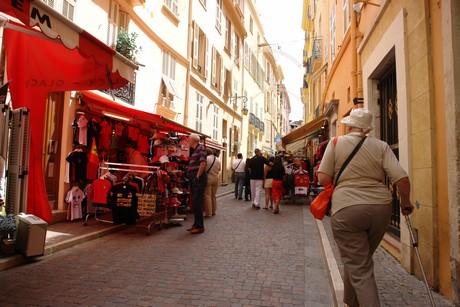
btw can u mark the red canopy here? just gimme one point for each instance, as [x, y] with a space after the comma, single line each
[55, 26]
[37, 65]
[93, 100]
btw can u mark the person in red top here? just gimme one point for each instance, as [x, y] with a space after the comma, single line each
[135, 157]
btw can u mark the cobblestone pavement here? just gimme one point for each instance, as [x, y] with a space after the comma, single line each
[396, 286]
[246, 257]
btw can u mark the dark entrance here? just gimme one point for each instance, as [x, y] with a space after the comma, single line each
[389, 133]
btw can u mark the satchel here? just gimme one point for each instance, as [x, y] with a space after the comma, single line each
[322, 204]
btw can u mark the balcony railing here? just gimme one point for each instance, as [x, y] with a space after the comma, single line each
[252, 119]
[317, 53]
[125, 93]
[257, 123]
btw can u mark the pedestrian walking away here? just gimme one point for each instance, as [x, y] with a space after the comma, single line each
[213, 168]
[278, 173]
[256, 169]
[247, 181]
[238, 168]
[361, 208]
[198, 178]
[268, 180]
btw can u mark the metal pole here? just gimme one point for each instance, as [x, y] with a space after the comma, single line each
[415, 245]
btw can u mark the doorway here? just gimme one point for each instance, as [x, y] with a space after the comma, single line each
[388, 105]
[52, 135]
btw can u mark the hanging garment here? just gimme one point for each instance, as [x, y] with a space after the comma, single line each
[78, 162]
[83, 130]
[123, 202]
[133, 132]
[105, 134]
[143, 144]
[74, 198]
[99, 192]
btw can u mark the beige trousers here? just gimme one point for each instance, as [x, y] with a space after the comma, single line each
[358, 231]
[210, 201]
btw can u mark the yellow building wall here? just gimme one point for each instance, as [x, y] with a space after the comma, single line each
[426, 135]
[441, 154]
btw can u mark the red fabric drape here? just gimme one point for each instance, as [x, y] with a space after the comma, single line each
[36, 67]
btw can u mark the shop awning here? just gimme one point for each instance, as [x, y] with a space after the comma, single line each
[98, 103]
[35, 13]
[171, 86]
[213, 144]
[296, 148]
[303, 131]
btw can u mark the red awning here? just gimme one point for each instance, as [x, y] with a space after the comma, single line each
[98, 103]
[48, 53]
[55, 26]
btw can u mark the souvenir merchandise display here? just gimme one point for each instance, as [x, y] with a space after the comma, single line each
[107, 184]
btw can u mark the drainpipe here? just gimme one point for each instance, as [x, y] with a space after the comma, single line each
[189, 50]
[356, 89]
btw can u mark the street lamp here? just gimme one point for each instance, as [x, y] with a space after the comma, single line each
[245, 99]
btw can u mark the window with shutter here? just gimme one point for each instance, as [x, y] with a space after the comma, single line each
[68, 9]
[222, 74]
[215, 126]
[214, 67]
[219, 15]
[196, 46]
[123, 20]
[112, 24]
[199, 112]
[173, 6]
[206, 59]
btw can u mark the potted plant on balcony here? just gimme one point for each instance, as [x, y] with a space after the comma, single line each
[126, 44]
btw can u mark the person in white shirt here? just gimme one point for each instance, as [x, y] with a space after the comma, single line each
[238, 171]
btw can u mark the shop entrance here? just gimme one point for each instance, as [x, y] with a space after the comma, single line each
[389, 133]
[51, 145]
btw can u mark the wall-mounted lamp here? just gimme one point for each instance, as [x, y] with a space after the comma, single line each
[245, 99]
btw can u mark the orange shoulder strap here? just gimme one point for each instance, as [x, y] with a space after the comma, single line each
[335, 140]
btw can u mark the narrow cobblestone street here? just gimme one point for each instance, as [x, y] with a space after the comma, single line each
[246, 257]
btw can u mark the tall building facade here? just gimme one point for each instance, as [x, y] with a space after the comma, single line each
[387, 56]
[196, 65]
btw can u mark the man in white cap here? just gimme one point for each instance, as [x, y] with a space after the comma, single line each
[361, 202]
[198, 180]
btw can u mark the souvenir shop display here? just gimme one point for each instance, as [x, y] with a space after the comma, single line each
[108, 185]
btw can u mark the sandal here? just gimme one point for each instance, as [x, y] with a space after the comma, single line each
[276, 211]
[265, 208]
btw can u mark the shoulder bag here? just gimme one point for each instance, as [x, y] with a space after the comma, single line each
[233, 170]
[321, 205]
[207, 172]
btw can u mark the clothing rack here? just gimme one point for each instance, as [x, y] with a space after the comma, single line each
[124, 167]
[159, 219]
